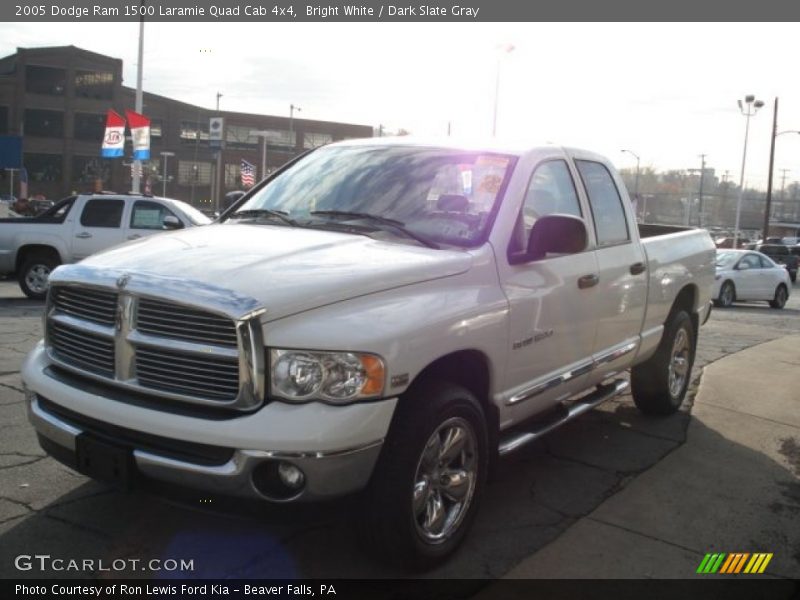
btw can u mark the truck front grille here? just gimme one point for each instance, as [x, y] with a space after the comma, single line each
[97, 306]
[179, 322]
[157, 347]
[82, 349]
[180, 373]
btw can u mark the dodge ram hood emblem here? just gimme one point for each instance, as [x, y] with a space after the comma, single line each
[122, 281]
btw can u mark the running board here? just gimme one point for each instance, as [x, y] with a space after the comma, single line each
[603, 392]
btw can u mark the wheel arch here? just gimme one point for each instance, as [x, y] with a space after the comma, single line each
[686, 301]
[28, 250]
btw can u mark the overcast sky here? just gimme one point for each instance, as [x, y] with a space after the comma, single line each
[666, 91]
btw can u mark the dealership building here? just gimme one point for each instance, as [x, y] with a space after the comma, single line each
[56, 99]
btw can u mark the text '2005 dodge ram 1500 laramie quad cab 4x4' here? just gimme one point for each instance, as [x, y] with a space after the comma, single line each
[382, 317]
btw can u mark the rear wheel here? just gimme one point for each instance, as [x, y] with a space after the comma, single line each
[659, 384]
[727, 294]
[779, 301]
[424, 491]
[34, 275]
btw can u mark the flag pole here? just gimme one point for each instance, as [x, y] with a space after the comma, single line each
[137, 169]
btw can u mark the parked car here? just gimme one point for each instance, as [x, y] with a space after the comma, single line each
[781, 255]
[382, 316]
[748, 275]
[727, 242]
[79, 226]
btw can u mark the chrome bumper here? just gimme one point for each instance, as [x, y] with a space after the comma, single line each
[327, 475]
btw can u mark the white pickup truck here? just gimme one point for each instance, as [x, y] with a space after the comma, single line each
[79, 226]
[383, 317]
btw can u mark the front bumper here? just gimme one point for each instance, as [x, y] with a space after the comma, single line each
[335, 447]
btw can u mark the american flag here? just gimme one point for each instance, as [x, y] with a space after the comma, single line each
[248, 173]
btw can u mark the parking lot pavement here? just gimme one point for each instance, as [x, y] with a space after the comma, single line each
[536, 496]
[734, 486]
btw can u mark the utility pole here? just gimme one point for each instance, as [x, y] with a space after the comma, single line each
[700, 207]
[219, 95]
[767, 210]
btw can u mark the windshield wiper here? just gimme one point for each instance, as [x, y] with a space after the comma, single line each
[393, 223]
[264, 212]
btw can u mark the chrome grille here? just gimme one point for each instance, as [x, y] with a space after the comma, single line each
[212, 377]
[178, 322]
[82, 349]
[91, 304]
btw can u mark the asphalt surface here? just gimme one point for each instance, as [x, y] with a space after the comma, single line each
[537, 495]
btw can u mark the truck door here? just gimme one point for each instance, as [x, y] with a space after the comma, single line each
[98, 227]
[621, 262]
[551, 321]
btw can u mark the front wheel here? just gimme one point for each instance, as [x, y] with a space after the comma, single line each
[424, 491]
[779, 301]
[660, 383]
[34, 276]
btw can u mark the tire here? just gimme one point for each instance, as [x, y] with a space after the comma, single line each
[781, 295]
[793, 276]
[409, 516]
[34, 273]
[659, 384]
[727, 294]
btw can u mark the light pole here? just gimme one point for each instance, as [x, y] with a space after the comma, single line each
[636, 181]
[748, 108]
[292, 108]
[263, 135]
[166, 156]
[775, 134]
[507, 49]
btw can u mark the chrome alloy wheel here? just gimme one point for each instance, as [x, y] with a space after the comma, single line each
[37, 277]
[445, 480]
[679, 363]
[727, 294]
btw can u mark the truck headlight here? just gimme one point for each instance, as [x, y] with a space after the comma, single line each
[336, 377]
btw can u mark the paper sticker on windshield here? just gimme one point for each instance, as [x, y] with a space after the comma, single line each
[490, 184]
[500, 162]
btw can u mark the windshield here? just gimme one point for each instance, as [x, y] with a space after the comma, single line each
[437, 195]
[194, 215]
[726, 259]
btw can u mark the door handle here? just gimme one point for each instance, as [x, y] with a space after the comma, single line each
[588, 281]
[638, 267]
[83, 235]
[135, 236]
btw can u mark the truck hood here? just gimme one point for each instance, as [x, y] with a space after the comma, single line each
[287, 270]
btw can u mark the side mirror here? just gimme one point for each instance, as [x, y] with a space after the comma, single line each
[172, 222]
[557, 234]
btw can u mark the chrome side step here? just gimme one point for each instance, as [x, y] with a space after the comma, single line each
[603, 392]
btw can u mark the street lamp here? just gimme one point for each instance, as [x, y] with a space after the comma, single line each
[507, 49]
[166, 156]
[263, 135]
[775, 134]
[748, 108]
[636, 181]
[292, 108]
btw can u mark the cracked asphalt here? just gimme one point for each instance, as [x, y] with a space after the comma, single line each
[536, 494]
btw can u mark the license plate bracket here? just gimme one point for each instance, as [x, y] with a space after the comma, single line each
[104, 461]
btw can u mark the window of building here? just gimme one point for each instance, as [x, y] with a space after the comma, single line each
[43, 123]
[609, 215]
[239, 136]
[89, 126]
[103, 212]
[94, 84]
[194, 173]
[190, 131]
[45, 80]
[232, 178]
[88, 169]
[315, 140]
[43, 167]
[280, 138]
[3, 120]
[149, 215]
[156, 126]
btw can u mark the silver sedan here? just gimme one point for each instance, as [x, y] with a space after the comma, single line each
[749, 275]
